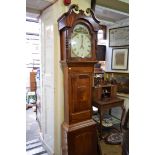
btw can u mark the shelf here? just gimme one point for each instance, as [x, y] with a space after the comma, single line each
[112, 120]
[98, 71]
[123, 95]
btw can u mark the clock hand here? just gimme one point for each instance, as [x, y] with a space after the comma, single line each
[81, 42]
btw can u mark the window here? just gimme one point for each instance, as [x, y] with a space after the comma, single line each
[100, 37]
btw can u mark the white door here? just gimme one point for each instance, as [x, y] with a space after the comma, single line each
[47, 91]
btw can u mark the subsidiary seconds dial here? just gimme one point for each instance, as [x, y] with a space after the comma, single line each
[81, 42]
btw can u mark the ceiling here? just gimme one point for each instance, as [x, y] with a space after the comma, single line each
[119, 5]
[109, 11]
[34, 7]
[109, 16]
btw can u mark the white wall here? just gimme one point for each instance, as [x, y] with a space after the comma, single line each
[121, 23]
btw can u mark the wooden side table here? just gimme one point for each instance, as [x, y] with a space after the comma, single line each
[106, 104]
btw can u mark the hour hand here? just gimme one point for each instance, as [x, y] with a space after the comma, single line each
[81, 42]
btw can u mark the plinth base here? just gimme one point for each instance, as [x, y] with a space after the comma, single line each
[79, 138]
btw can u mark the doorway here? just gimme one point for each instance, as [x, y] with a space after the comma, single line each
[33, 58]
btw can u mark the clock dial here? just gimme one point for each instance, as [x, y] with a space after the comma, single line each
[81, 42]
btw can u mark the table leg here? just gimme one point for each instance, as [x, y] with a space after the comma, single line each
[101, 117]
[122, 117]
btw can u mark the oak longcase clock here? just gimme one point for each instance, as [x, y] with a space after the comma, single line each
[78, 41]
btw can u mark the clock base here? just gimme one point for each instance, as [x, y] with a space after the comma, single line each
[79, 138]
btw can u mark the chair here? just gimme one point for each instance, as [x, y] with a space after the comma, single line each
[31, 97]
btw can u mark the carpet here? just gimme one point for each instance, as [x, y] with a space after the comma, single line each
[108, 120]
[114, 138]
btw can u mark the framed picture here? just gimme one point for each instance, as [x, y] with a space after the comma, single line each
[119, 59]
[119, 36]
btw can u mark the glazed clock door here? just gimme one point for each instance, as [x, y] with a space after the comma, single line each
[81, 42]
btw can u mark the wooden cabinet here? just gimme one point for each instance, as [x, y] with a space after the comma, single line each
[98, 80]
[105, 91]
[32, 81]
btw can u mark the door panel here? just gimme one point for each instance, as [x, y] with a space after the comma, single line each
[80, 100]
[47, 75]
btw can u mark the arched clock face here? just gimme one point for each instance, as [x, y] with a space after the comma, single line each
[81, 42]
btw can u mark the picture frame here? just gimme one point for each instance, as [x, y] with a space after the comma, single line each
[119, 36]
[119, 59]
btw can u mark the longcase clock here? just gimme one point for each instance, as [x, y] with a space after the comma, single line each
[78, 39]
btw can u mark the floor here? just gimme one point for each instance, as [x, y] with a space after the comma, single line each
[33, 143]
[109, 149]
[32, 127]
[35, 147]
